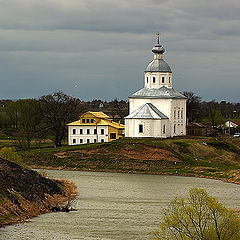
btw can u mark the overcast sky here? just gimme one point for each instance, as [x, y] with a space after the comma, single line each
[99, 49]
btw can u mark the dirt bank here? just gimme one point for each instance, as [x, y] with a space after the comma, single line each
[25, 193]
[215, 158]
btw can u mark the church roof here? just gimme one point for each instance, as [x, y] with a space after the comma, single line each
[158, 65]
[147, 111]
[162, 92]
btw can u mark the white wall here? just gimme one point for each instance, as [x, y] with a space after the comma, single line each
[167, 107]
[151, 128]
[158, 76]
[86, 136]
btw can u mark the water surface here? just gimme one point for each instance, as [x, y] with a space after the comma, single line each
[116, 206]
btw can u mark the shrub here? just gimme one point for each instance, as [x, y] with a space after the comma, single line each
[200, 218]
[10, 154]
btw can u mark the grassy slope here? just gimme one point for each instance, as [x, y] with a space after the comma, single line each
[218, 158]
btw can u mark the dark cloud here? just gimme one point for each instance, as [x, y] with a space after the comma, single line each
[99, 49]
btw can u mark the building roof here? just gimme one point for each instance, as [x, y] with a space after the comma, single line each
[97, 114]
[101, 122]
[195, 125]
[236, 122]
[158, 65]
[162, 92]
[147, 111]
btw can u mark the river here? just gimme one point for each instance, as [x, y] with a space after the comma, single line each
[115, 206]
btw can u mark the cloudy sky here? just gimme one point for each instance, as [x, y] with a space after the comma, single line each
[99, 49]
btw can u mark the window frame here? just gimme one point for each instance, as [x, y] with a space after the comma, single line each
[140, 128]
[114, 135]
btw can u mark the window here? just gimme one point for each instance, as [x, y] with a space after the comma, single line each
[102, 131]
[113, 136]
[174, 113]
[81, 141]
[88, 140]
[140, 128]
[178, 114]
[182, 114]
[154, 79]
[74, 140]
[74, 131]
[174, 128]
[95, 140]
[169, 79]
[95, 131]
[163, 79]
[164, 128]
[88, 131]
[83, 121]
[81, 131]
[102, 140]
[147, 79]
[92, 120]
[88, 120]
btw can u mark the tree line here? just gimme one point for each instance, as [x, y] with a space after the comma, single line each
[49, 115]
[210, 113]
[30, 119]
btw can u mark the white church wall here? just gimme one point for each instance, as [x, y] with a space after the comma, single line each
[178, 117]
[158, 79]
[151, 128]
[164, 105]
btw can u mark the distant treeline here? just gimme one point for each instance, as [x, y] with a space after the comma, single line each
[47, 116]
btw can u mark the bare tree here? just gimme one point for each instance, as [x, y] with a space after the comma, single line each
[59, 109]
[193, 106]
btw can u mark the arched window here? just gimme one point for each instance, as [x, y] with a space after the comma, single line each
[169, 79]
[164, 128]
[182, 114]
[147, 79]
[174, 113]
[154, 79]
[163, 79]
[174, 128]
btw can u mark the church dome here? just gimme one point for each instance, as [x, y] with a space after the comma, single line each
[158, 65]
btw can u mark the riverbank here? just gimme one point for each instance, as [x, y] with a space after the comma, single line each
[25, 193]
[216, 158]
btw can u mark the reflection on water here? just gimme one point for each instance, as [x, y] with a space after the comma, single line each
[116, 206]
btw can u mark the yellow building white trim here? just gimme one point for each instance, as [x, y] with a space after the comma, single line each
[93, 127]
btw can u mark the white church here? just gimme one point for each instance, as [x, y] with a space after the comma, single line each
[157, 110]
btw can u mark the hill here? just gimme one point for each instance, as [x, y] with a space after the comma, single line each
[217, 158]
[25, 193]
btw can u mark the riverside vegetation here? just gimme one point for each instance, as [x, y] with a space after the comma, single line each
[24, 193]
[217, 158]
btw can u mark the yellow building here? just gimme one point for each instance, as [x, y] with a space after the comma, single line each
[93, 127]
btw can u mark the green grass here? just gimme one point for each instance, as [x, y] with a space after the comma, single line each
[212, 160]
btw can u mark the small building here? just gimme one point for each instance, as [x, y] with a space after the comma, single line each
[196, 129]
[94, 127]
[232, 126]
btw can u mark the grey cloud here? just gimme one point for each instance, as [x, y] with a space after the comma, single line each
[57, 45]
